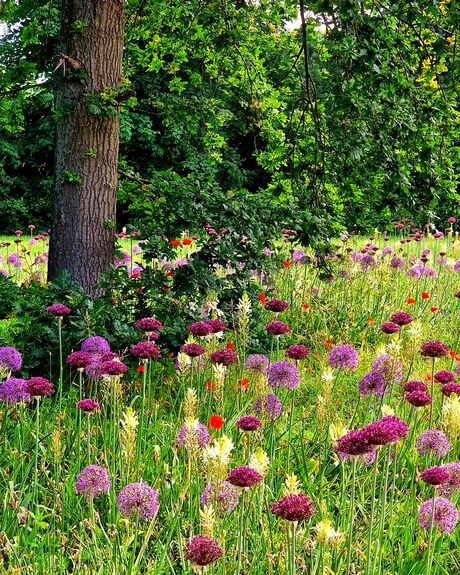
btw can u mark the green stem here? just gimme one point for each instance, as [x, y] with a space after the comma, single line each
[293, 544]
[37, 428]
[429, 559]
[241, 532]
[352, 514]
[88, 438]
[371, 519]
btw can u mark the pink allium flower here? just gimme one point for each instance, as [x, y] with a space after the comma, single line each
[39, 386]
[216, 325]
[202, 550]
[444, 376]
[148, 324]
[223, 356]
[276, 305]
[294, 507]
[80, 359]
[418, 398]
[389, 327]
[248, 423]
[95, 345]
[389, 429]
[297, 352]
[434, 475]
[193, 349]
[445, 515]
[88, 405]
[244, 476]
[450, 388]
[415, 385]
[432, 441]
[199, 329]
[59, 310]
[277, 328]
[92, 481]
[145, 350]
[138, 499]
[434, 349]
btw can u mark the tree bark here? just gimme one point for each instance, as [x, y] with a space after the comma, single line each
[87, 78]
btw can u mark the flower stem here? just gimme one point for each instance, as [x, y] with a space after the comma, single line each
[352, 515]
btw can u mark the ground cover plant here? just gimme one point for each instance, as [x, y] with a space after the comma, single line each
[310, 425]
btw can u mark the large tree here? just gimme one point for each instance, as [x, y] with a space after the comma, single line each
[87, 77]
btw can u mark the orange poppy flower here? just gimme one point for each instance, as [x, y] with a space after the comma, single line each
[175, 243]
[262, 298]
[186, 241]
[287, 264]
[243, 382]
[433, 309]
[140, 368]
[425, 295]
[306, 306]
[216, 421]
[410, 300]
[210, 385]
[230, 345]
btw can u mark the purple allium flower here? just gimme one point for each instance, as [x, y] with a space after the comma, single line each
[268, 406]
[112, 367]
[193, 349]
[432, 441]
[199, 329]
[389, 429]
[451, 220]
[283, 374]
[444, 376]
[388, 366]
[223, 356]
[353, 443]
[456, 294]
[223, 496]
[372, 384]
[434, 348]
[138, 499]
[92, 481]
[389, 327]
[39, 386]
[88, 405]
[277, 328]
[79, 359]
[418, 398]
[96, 345]
[276, 305]
[401, 318]
[148, 324]
[244, 476]
[14, 390]
[343, 356]
[145, 350]
[453, 483]
[293, 507]
[10, 358]
[368, 261]
[456, 266]
[59, 309]
[397, 263]
[451, 388]
[257, 363]
[200, 432]
[297, 352]
[434, 475]
[445, 514]
[387, 250]
[202, 550]
[415, 385]
[216, 325]
[15, 260]
[298, 256]
[248, 423]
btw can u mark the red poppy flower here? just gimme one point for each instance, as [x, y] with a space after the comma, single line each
[166, 289]
[428, 377]
[139, 290]
[425, 295]
[305, 306]
[452, 353]
[287, 264]
[329, 342]
[370, 319]
[243, 382]
[210, 385]
[140, 368]
[175, 243]
[169, 274]
[411, 300]
[230, 345]
[114, 301]
[262, 298]
[171, 354]
[216, 421]
[186, 241]
[135, 275]
[433, 309]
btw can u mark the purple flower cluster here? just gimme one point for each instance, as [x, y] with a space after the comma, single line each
[223, 356]
[244, 476]
[223, 496]
[444, 376]
[389, 429]
[415, 385]
[14, 390]
[80, 359]
[215, 325]
[452, 484]
[201, 436]
[199, 329]
[202, 550]
[434, 349]
[401, 318]
[432, 441]
[10, 358]
[268, 406]
[138, 499]
[148, 324]
[434, 475]
[389, 327]
[297, 352]
[277, 328]
[193, 349]
[418, 398]
[293, 507]
[343, 356]
[92, 481]
[248, 423]
[59, 309]
[112, 367]
[388, 366]
[283, 374]
[39, 386]
[451, 388]
[88, 405]
[353, 443]
[445, 515]
[276, 305]
[96, 345]
[372, 384]
[257, 363]
[145, 350]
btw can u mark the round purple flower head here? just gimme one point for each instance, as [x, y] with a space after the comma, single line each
[59, 309]
[283, 374]
[397, 263]
[434, 475]
[434, 349]
[193, 349]
[202, 550]
[343, 356]
[88, 405]
[145, 350]
[79, 359]
[389, 429]
[199, 329]
[298, 256]
[138, 499]
[248, 423]
[277, 328]
[39, 386]
[401, 318]
[244, 476]
[432, 441]
[453, 482]
[293, 507]
[10, 358]
[418, 398]
[223, 356]
[451, 388]
[353, 443]
[372, 384]
[223, 496]
[200, 437]
[388, 366]
[444, 376]
[148, 324]
[257, 363]
[276, 305]
[14, 390]
[112, 367]
[96, 345]
[297, 352]
[445, 514]
[92, 481]
[415, 385]
[389, 327]
[216, 325]
[268, 407]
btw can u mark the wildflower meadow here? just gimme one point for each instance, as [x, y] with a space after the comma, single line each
[310, 425]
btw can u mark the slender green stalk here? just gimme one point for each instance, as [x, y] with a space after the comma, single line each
[352, 514]
[61, 367]
[371, 518]
[88, 437]
[37, 430]
[293, 545]
[241, 533]
[429, 559]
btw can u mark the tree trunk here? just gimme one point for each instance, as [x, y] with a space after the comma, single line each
[87, 80]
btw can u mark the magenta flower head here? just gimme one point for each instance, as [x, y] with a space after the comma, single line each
[268, 406]
[248, 423]
[215, 325]
[451, 220]
[434, 349]
[202, 550]
[92, 481]
[388, 366]
[450, 388]
[444, 376]
[193, 349]
[112, 368]
[449, 487]
[138, 499]
[297, 352]
[79, 359]
[199, 329]
[244, 476]
[354, 443]
[148, 324]
[88, 405]
[10, 358]
[415, 385]
[283, 374]
[145, 350]
[200, 436]
[277, 328]
[95, 345]
[389, 429]
[432, 441]
[257, 363]
[59, 309]
[389, 327]
[223, 356]
[39, 386]
[445, 515]
[434, 475]
[343, 356]
[293, 507]
[14, 390]
[401, 318]
[276, 305]
[418, 398]
[223, 496]
[372, 384]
